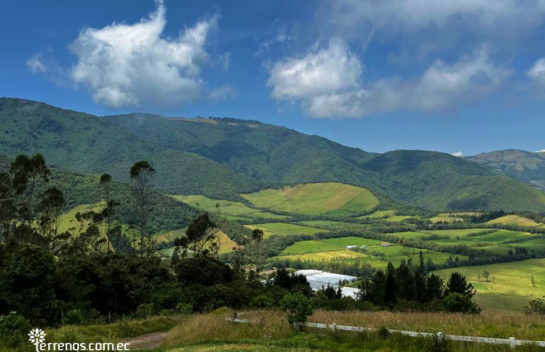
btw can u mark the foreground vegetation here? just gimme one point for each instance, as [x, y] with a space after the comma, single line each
[275, 334]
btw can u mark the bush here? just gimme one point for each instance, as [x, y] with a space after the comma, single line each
[184, 308]
[459, 303]
[73, 317]
[535, 307]
[297, 306]
[14, 330]
[144, 310]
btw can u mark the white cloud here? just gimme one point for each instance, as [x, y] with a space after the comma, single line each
[266, 45]
[536, 75]
[321, 71]
[35, 64]
[222, 93]
[327, 84]
[493, 17]
[540, 151]
[458, 154]
[131, 65]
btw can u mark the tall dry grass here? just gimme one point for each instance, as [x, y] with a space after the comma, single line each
[213, 333]
[484, 325]
[200, 328]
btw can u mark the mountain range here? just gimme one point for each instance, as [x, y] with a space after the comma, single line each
[224, 157]
[525, 166]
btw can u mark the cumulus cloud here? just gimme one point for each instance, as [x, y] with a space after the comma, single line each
[458, 154]
[327, 83]
[540, 151]
[35, 64]
[134, 66]
[321, 71]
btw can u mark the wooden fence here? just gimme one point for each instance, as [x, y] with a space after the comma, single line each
[334, 327]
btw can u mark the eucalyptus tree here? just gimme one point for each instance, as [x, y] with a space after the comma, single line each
[142, 175]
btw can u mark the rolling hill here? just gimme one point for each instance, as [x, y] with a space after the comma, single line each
[222, 158]
[331, 199]
[525, 166]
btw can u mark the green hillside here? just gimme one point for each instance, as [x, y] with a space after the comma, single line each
[525, 166]
[441, 181]
[87, 144]
[169, 214]
[222, 158]
[333, 199]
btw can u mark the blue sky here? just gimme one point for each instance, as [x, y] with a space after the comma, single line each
[454, 76]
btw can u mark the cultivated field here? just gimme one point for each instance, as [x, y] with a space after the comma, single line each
[282, 229]
[509, 287]
[227, 208]
[385, 215]
[515, 220]
[374, 253]
[332, 199]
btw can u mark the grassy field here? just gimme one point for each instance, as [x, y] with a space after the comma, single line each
[68, 222]
[511, 288]
[409, 234]
[514, 220]
[275, 333]
[352, 241]
[332, 198]
[451, 217]
[494, 240]
[376, 255]
[385, 215]
[282, 229]
[231, 210]
[309, 247]
[457, 232]
[336, 225]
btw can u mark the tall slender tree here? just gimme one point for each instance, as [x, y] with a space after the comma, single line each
[109, 211]
[142, 175]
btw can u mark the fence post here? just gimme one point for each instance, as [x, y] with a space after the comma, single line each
[333, 327]
[512, 343]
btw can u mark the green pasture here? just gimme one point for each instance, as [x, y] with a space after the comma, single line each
[283, 229]
[509, 287]
[331, 198]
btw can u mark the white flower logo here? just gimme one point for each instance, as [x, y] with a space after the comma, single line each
[37, 336]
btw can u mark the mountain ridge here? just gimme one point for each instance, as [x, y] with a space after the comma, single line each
[222, 158]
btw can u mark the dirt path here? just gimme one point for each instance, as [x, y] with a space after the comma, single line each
[146, 342]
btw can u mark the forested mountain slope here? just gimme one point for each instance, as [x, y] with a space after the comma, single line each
[87, 144]
[222, 158]
[525, 166]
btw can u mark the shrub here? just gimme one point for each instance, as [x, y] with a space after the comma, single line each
[535, 307]
[459, 303]
[222, 311]
[144, 310]
[297, 306]
[184, 308]
[73, 317]
[14, 330]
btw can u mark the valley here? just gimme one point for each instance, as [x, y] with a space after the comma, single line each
[229, 215]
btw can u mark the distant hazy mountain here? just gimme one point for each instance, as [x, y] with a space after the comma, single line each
[221, 158]
[525, 166]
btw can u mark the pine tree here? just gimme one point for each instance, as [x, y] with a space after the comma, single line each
[458, 284]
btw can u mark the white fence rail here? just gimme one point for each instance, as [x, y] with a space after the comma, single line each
[334, 327]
